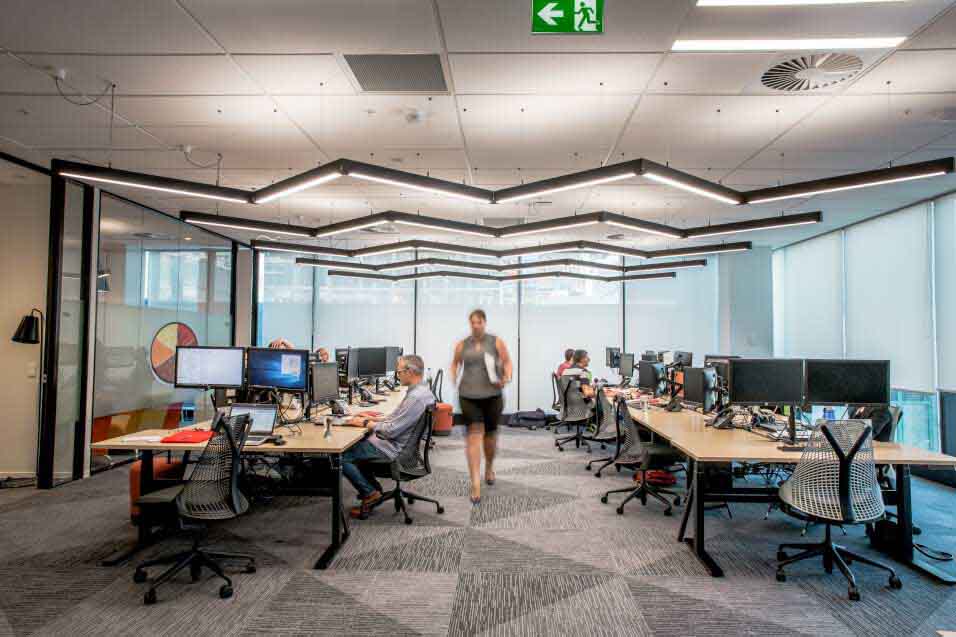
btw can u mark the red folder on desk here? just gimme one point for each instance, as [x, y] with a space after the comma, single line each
[188, 436]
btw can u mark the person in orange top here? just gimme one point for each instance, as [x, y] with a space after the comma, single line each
[568, 355]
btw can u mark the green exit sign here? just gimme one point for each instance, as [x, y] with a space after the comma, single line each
[567, 16]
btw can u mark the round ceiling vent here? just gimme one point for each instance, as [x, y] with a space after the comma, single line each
[811, 72]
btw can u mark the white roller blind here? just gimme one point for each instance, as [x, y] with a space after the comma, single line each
[945, 216]
[812, 303]
[889, 301]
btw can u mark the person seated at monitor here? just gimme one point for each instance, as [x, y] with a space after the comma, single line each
[579, 369]
[281, 343]
[323, 355]
[568, 356]
[879, 417]
[388, 434]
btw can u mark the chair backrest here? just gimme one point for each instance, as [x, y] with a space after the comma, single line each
[574, 407]
[212, 491]
[836, 476]
[889, 432]
[436, 385]
[606, 414]
[413, 459]
[555, 393]
[632, 447]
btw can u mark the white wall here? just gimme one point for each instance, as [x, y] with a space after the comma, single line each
[23, 267]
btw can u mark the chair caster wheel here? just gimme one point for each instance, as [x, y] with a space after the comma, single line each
[618, 469]
[603, 447]
[587, 467]
[225, 591]
[781, 556]
[139, 576]
[853, 594]
[781, 576]
[677, 501]
[896, 582]
[620, 510]
[668, 512]
[597, 475]
[195, 571]
[250, 569]
[560, 448]
[603, 499]
[441, 510]
[149, 598]
[410, 500]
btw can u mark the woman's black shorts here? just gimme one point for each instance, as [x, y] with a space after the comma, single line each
[486, 410]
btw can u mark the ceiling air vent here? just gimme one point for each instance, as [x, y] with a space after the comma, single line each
[398, 73]
[812, 72]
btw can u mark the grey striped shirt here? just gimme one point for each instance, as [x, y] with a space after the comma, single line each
[391, 435]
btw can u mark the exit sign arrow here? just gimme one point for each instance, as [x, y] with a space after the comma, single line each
[549, 12]
[567, 16]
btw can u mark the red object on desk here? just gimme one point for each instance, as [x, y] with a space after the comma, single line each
[188, 436]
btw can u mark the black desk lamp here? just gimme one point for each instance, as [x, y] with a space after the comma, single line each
[30, 331]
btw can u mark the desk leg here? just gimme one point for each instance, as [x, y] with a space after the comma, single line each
[338, 537]
[904, 550]
[144, 535]
[697, 542]
[688, 501]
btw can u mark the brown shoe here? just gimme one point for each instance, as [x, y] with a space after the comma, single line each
[361, 512]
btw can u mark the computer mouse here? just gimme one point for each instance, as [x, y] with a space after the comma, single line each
[279, 441]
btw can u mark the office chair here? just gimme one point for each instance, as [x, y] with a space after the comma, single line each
[436, 385]
[411, 464]
[834, 483]
[210, 493]
[643, 456]
[575, 412]
[606, 432]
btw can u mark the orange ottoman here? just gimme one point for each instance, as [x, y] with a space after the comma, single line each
[443, 421]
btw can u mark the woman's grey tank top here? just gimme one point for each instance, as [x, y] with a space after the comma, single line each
[474, 374]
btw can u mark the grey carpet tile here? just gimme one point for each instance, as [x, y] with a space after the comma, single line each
[435, 552]
[494, 508]
[492, 552]
[308, 606]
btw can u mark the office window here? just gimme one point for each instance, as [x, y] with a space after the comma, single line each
[920, 424]
[889, 296]
[808, 287]
[285, 300]
[674, 314]
[562, 313]
[443, 307]
[351, 311]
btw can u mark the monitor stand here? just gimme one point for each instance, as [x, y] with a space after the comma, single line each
[791, 444]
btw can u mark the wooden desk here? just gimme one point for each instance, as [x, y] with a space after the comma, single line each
[311, 441]
[687, 431]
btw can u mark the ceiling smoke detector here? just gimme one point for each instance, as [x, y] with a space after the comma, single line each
[812, 72]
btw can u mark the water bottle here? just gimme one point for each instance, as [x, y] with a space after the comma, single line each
[828, 413]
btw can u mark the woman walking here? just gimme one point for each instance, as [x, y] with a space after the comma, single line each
[484, 364]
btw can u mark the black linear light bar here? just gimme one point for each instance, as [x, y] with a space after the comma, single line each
[582, 179]
[645, 277]
[568, 246]
[684, 181]
[315, 177]
[500, 279]
[853, 181]
[782, 221]
[238, 223]
[421, 221]
[328, 263]
[296, 248]
[694, 251]
[668, 265]
[99, 174]
[433, 246]
[401, 178]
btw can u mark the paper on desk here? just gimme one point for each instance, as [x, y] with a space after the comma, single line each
[143, 438]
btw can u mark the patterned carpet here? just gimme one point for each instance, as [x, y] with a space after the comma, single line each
[539, 556]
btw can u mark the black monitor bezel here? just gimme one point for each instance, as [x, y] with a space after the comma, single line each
[312, 367]
[633, 364]
[281, 351]
[176, 369]
[730, 381]
[703, 370]
[806, 381]
[358, 372]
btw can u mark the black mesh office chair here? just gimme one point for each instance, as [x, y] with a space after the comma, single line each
[575, 412]
[834, 483]
[436, 385]
[210, 493]
[642, 456]
[411, 464]
[606, 431]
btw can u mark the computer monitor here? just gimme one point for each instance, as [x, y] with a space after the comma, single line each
[847, 382]
[262, 415]
[722, 365]
[612, 357]
[649, 356]
[766, 381]
[685, 359]
[392, 354]
[700, 387]
[651, 376]
[215, 367]
[626, 365]
[285, 369]
[325, 382]
[370, 361]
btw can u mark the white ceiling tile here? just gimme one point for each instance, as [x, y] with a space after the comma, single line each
[436, 160]
[30, 111]
[250, 110]
[368, 121]
[18, 77]
[911, 72]
[100, 26]
[505, 26]
[304, 26]
[554, 74]
[148, 74]
[939, 35]
[278, 135]
[531, 162]
[709, 73]
[795, 159]
[79, 137]
[297, 74]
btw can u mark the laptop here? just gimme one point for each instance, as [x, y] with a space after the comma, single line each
[263, 421]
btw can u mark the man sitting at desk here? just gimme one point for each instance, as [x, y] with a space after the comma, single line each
[389, 434]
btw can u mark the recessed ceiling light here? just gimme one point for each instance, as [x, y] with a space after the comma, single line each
[808, 44]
